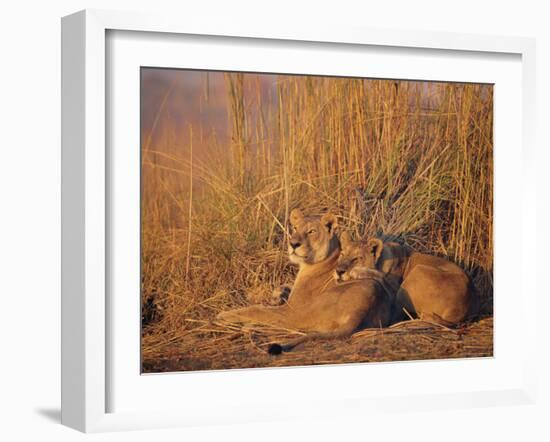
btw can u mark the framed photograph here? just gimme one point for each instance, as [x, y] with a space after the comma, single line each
[249, 213]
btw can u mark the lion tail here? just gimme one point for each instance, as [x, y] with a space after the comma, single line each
[278, 348]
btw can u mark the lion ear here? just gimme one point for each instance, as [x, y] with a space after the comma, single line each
[345, 239]
[375, 247]
[329, 221]
[296, 216]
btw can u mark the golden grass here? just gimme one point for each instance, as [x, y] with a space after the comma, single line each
[408, 160]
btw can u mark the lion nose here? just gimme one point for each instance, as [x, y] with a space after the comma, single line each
[340, 271]
[295, 244]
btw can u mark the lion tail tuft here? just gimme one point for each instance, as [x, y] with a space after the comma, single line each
[275, 349]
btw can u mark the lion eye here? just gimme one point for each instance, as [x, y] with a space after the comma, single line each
[311, 231]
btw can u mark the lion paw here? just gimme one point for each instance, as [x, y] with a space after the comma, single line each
[279, 295]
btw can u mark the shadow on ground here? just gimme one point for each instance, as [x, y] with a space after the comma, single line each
[51, 414]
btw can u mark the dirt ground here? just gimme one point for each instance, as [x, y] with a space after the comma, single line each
[211, 347]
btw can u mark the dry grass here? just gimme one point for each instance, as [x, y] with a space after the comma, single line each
[408, 160]
[211, 347]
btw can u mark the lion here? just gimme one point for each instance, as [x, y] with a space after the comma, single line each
[317, 305]
[432, 288]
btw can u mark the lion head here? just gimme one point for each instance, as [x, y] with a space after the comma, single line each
[357, 258]
[312, 239]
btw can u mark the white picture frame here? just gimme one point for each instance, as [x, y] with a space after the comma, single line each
[86, 202]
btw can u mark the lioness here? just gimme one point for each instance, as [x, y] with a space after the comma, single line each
[317, 305]
[432, 288]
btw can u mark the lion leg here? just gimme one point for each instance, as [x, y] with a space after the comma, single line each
[435, 318]
[403, 308]
[258, 315]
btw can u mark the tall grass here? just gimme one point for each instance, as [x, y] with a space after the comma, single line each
[408, 160]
